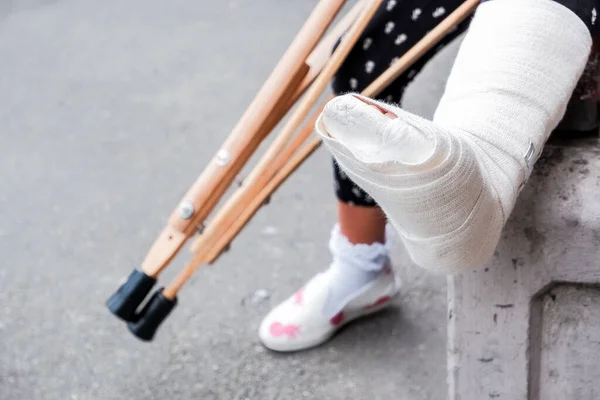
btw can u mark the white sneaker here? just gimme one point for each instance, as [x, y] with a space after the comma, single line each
[299, 323]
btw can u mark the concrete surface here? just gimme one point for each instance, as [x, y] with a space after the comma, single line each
[527, 325]
[108, 112]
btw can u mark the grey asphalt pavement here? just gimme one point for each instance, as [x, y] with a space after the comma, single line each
[108, 111]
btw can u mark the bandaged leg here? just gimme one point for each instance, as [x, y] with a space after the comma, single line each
[448, 186]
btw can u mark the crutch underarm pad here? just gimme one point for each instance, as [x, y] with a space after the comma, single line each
[130, 295]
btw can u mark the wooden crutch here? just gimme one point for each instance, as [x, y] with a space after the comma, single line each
[297, 69]
[161, 303]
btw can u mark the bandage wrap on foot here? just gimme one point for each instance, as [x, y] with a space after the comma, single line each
[448, 186]
[359, 282]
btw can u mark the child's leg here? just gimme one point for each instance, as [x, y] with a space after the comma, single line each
[395, 28]
[359, 280]
[449, 185]
[361, 224]
[359, 217]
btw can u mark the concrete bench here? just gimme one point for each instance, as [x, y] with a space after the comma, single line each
[527, 326]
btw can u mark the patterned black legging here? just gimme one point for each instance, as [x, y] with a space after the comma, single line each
[394, 29]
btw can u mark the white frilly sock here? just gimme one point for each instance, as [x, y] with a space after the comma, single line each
[352, 268]
[448, 186]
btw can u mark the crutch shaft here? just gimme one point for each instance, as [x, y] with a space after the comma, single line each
[287, 70]
[233, 208]
[230, 159]
[288, 76]
[173, 237]
[316, 89]
[269, 124]
[421, 47]
[210, 254]
[322, 52]
[282, 158]
[279, 178]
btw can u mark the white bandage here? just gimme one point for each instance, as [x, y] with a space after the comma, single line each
[448, 186]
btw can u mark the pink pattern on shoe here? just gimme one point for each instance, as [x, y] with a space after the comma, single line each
[380, 301]
[299, 296]
[337, 319]
[278, 329]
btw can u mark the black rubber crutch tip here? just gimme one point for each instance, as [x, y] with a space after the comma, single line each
[152, 315]
[130, 295]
